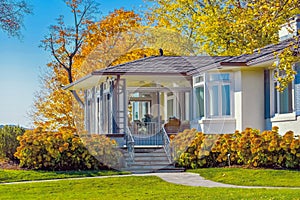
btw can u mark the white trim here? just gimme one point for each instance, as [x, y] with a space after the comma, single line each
[217, 120]
[173, 98]
[220, 83]
[158, 89]
[284, 117]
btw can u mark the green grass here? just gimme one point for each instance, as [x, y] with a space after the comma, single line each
[134, 188]
[29, 175]
[251, 177]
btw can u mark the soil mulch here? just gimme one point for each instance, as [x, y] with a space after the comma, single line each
[6, 164]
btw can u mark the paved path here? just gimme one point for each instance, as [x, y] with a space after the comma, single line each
[182, 178]
[192, 179]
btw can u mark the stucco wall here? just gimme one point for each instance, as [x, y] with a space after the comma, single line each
[252, 99]
[238, 99]
[287, 122]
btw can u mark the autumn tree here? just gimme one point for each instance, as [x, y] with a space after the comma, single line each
[64, 41]
[53, 106]
[228, 27]
[12, 14]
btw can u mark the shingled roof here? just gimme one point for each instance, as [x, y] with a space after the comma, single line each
[186, 65]
[262, 55]
[163, 65]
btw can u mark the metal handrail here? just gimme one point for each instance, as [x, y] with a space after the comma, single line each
[166, 144]
[130, 145]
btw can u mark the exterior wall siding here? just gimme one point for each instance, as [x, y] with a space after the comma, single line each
[253, 99]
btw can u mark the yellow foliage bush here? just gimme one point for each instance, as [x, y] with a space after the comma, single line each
[63, 150]
[250, 147]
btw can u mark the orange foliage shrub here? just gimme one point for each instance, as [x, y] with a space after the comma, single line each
[250, 147]
[63, 150]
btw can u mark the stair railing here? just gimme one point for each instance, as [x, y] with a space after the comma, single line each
[166, 144]
[130, 145]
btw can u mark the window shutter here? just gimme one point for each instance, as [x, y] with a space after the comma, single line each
[267, 93]
[297, 89]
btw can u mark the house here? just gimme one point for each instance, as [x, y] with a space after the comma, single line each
[146, 100]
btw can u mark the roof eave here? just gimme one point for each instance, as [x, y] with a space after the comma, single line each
[99, 73]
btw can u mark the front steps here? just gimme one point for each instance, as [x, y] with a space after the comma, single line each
[149, 159]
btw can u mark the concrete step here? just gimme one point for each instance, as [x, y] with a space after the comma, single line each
[151, 163]
[147, 155]
[169, 169]
[149, 159]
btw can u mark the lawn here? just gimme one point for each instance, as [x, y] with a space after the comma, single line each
[28, 175]
[134, 188]
[251, 177]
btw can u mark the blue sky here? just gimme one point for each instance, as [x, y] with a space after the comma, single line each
[22, 61]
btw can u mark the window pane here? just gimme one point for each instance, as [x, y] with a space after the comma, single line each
[214, 97]
[199, 104]
[199, 79]
[219, 77]
[170, 110]
[285, 100]
[135, 109]
[225, 100]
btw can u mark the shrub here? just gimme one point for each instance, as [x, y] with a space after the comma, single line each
[9, 142]
[250, 147]
[62, 150]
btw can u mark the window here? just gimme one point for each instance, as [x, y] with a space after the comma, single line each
[199, 102]
[199, 97]
[170, 107]
[140, 109]
[284, 100]
[219, 95]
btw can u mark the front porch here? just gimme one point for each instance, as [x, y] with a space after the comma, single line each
[145, 106]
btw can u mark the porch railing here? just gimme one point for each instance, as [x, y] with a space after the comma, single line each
[147, 133]
[130, 145]
[166, 144]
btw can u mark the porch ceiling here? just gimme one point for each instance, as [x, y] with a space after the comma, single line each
[158, 81]
[86, 82]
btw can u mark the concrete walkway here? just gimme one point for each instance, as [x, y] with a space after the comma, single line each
[192, 179]
[181, 178]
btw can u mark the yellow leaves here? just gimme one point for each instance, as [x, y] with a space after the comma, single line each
[250, 147]
[63, 150]
[226, 28]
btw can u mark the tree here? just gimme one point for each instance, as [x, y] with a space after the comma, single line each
[12, 14]
[53, 106]
[64, 41]
[228, 27]
[9, 142]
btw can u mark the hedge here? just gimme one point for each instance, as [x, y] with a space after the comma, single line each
[9, 142]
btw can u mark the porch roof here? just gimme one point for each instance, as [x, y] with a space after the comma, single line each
[163, 65]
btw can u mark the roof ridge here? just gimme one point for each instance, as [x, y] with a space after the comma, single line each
[130, 62]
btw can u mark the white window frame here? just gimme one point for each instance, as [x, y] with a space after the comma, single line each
[173, 98]
[219, 83]
[289, 116]
[198, 84]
